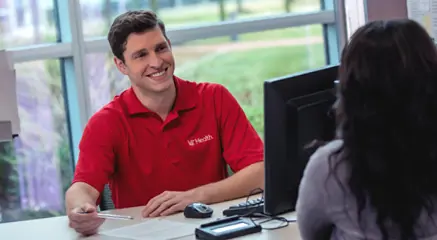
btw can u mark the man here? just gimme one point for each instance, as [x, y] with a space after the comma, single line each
[165, 142]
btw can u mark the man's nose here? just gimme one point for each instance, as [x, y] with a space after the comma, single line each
[155, 61]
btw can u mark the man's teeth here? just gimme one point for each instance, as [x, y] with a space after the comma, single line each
[158, 74]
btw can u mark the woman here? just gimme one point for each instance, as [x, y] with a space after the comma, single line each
[379, 181]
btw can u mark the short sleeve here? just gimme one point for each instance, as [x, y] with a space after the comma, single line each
[97, 150]
[241, 144]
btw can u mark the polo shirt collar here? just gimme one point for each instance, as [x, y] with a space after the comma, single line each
[186, 98]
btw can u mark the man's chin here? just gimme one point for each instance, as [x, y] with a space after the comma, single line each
[159, 87]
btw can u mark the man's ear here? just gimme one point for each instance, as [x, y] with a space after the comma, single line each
[120, 65]
[169, 42]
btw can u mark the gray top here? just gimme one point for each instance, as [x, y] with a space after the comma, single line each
[327, 210]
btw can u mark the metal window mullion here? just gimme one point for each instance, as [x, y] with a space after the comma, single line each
[74, 68]
[184, 34]
[178, 35]
[78, 47]
[341, 24]
[334, 33]
[40, 52]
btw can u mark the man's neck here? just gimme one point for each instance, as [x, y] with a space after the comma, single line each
[160, 103]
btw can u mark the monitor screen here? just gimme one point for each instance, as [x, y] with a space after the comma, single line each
[298, 110]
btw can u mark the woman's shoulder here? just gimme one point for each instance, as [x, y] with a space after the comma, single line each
[320, 159]
[325, 170]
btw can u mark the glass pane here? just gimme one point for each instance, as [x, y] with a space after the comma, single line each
[355, 15]
[36, 169]
[98, 14]
[26, 22]
[241, 63]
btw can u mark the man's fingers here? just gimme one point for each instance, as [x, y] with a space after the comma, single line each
[154, 203]
[158, 198]
[88, 231]
[90, 226]
[173, 209]
[88, 208]
[149, 209]
[84, 222]
[83, 217]
[164, 206]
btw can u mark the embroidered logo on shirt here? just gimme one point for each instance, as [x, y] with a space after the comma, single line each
[196, 141]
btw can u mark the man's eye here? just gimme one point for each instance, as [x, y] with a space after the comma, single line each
[140, 55]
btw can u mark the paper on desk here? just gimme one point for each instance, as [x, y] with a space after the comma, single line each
[153, 229]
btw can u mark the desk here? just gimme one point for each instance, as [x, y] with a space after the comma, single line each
[56, 228]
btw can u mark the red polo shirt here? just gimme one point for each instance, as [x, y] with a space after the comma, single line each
[141, 156]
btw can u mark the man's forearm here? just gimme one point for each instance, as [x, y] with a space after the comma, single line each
[238, 185]
[79, 194]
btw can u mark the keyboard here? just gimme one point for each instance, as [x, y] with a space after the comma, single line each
[249, 207]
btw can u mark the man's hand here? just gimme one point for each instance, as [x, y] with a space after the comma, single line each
[168, 203]
[84, 219]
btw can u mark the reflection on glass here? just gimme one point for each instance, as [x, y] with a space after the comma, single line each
[98, 14]
[104, 79]
[241, 63]
[35, 169]
[26, 22]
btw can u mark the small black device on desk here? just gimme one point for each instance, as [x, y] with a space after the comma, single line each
[198, 210]
[226, 228]
[244, 208]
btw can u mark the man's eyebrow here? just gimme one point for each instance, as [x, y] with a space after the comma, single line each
[139, 52]
[161, 44]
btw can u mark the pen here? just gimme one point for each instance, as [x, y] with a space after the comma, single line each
[114, 216]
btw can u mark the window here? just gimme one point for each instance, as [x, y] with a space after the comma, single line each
[26, 22]
[355, 15]
[36, 169]
[98, 14]
[239, 62]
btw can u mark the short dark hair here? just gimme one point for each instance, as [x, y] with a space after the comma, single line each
[131, 22]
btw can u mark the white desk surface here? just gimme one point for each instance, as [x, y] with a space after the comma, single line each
[56, 228]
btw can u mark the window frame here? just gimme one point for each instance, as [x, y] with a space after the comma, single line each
[71, 48]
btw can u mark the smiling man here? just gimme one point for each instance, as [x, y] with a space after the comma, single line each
[165, 142]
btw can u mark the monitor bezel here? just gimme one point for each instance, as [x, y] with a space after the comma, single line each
[278, 92]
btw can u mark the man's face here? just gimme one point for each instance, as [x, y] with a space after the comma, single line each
[149, 62]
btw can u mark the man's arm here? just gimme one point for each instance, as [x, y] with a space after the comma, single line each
[81, 208]
[80, 194]
[94, 166]
[238, 185]
[96, 160]
[243, 151]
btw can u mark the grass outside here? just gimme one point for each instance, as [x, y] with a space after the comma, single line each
[244, 72]
[210, 12]
[287, 33]
[192, 51]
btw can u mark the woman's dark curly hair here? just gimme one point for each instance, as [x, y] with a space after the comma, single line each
[387, 118]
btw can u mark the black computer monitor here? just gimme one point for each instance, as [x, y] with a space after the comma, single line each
[298, 109]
